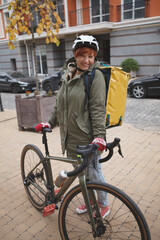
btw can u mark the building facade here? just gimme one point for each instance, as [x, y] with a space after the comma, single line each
[123, 28]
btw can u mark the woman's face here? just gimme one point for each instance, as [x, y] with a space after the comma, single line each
[85, 60]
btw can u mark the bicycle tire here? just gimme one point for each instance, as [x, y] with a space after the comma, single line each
[30, 157]
[125, 220]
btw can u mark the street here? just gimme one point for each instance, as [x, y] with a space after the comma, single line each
[141, 113]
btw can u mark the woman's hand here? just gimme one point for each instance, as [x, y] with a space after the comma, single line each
[101, 142]
[39, 126]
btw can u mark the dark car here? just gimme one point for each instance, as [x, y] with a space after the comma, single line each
[148, 86]
[16, 82]
[51, 83]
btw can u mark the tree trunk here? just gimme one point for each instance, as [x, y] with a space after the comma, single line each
[35, 60]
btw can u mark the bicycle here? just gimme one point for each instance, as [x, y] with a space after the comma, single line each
[125, 220]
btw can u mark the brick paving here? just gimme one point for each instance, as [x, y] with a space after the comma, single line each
[137, 174]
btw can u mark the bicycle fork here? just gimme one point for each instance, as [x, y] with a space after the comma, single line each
[90, 195]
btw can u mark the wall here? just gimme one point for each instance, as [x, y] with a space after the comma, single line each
[72, 15]
[141, 43]
[57, 55]
[2, 26]
[18, 53]
[113, 13]
[154, 8]
[68, 46]
[86, 11]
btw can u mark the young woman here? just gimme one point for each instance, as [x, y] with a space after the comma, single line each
[79, 125]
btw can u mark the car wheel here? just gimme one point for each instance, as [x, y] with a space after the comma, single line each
[139, 91]
[48, 87]
[15, 88]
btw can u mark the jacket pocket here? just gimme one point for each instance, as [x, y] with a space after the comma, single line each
[86, 128]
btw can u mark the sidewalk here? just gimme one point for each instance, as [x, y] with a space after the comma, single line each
[137, 174]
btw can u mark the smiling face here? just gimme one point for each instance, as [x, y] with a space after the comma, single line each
[85, 57]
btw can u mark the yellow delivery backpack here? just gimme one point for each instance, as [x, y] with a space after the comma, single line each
[116, 92]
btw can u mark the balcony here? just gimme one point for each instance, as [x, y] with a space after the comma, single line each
[99, 14]
[134, 10]
[81, 17]
[37, 18]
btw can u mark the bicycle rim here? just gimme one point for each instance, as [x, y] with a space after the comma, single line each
[125, 220]
[30, 157]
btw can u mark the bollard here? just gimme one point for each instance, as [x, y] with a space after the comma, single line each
[1, 106]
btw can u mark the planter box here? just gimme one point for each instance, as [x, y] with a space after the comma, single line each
[33, 110]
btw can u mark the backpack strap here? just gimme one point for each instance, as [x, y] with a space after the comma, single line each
[88, 79]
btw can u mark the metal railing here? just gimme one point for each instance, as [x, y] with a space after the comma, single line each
[36, 20]
[101, 13]
[134, 10]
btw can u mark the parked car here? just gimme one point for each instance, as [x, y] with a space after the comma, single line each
[148, 86]
[16, 82]
[51, 83]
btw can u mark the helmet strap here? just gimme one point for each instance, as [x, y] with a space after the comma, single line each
[80, 69]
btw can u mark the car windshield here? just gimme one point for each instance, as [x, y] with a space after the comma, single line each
[17, 75]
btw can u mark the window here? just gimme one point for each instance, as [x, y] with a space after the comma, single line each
[133, 9]
[139, 8]
[6, 18]
[13, 64]
[41, 60]
[4, 1]
[59, 9]
[36, 19]
[5, 77]
[99, 10]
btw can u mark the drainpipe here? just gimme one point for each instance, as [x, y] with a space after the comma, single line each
[66, 12]
[28, 63]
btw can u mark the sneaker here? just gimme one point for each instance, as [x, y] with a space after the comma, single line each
[103, 210]
[82, 208]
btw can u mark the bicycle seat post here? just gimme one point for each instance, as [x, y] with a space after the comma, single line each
[44, 141]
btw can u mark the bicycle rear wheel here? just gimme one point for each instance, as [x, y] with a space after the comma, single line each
[125, 220]
[35, 182]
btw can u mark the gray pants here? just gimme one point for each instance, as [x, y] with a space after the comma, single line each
[97, 175]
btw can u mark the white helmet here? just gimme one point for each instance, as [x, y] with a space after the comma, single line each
[85, 41]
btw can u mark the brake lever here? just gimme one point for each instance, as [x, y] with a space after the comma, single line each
[120, 151]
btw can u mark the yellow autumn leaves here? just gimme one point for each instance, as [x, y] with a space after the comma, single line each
[22, 15]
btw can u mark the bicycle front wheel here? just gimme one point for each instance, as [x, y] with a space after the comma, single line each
[34, 181]
[125, 220]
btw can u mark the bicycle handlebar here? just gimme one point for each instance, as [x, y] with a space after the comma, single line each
[110, 147]
[87, 150]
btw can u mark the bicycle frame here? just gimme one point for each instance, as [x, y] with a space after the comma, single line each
[86, 191]
[50, 185]
[55, 198]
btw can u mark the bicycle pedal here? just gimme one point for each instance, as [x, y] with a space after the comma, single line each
[49, 210]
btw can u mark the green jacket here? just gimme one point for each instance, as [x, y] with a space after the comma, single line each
[77, 126]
